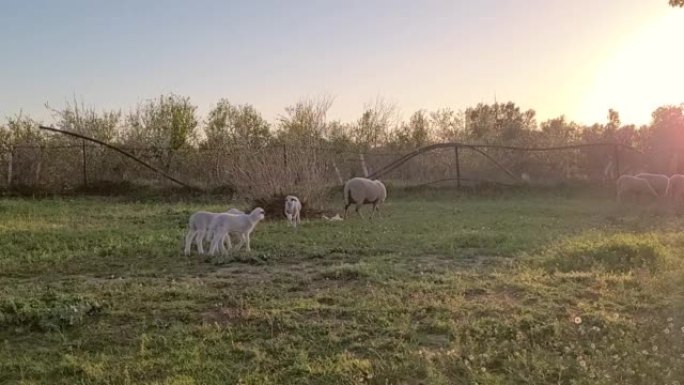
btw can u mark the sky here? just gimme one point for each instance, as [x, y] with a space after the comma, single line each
[574, 58]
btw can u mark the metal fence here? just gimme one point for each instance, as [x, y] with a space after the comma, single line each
[79, 163]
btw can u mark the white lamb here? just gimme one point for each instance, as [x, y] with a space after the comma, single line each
[361, 191]
[223, 225]
[658, 181]
[293, 207]
[627, 184]
[198, 229]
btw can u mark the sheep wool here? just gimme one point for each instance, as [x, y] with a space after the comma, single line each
[659, 182]
[627, 184]
[223, 225]
[293, 208]
[198, 229]
[360, 191]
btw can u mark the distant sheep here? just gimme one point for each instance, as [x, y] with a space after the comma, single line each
[362, 191]
[658, 181]
[198, 229]
[631, 185]
[293, 208]
[675, 189]
[223, 225]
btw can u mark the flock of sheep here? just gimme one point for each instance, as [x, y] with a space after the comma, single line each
[655, 186]
[218, 227]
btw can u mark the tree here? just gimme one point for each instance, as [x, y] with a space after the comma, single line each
[499, 122]
[677, 3]
[239, 125]
[166, 124]
[86, 121]
[374, 125]
[558, 131]
[416, 133]
[306, 120]
[613, 120]
[21, 131]
[447, 124]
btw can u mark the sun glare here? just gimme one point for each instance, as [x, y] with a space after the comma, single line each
[645, 71]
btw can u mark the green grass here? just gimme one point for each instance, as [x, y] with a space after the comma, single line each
[446, 288]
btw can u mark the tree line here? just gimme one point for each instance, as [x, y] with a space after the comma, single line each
[169, 131]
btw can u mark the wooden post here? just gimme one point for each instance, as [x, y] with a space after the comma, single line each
[285, 156]
[217, 172]
[458, 168]
[10, 166]
[85, 163]
[616, 156]
[337, 172]
[363, 165]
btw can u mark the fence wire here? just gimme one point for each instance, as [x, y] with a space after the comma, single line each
[275, 167]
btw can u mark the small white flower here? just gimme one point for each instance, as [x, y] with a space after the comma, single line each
[578, 320]
[666, 331]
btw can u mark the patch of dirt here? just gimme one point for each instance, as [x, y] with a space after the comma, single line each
[225, 316]
[474, 293]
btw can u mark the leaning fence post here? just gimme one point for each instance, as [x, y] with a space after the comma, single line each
[458, 168]
[616, 156]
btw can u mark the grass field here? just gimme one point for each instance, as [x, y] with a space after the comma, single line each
[446, 288]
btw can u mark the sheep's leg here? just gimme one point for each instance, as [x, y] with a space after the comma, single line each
[226, 238]
[218, 236]
[199, 239]
[345, 210]
[375, 208]
[246, 236]
[358, 206]
[222, 246]
[188, 241]
[242, 241]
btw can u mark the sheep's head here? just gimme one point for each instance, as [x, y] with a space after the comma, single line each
[258, 214]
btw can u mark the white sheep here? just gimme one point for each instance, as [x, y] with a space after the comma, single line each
[198, 229]
[675, 189]
[293, 208]
[223, 225]
[658, 181]
[627, 184]
[361, 191]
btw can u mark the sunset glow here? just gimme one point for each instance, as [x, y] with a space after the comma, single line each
[640, 73]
